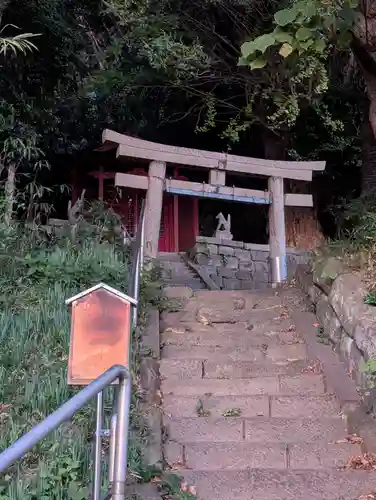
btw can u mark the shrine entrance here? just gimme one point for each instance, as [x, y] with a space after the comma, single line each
[171, 202]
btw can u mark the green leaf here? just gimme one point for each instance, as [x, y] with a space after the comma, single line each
[263, 42]
[258, 63]
[306, 44]
[247, 49]
[285, 16]
[303, 33]
[243, 61]
[319, 45]
[282, 36]
[285, 50]
[348, 15]
[306, 9]
[353, 4]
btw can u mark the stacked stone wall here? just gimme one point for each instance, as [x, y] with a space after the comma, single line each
[235, 265]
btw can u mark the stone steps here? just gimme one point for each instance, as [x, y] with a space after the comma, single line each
[271, 484]
[247, 414]
[228, 369]
[248, 455]
[281, 385]
[174, 272]
[253, 406]
[223, 354]
[256, 430]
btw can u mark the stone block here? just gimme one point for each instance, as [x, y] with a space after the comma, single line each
[217, 280]
[328, 319]
[226, 272]
[219, 241]
[216, 260]
[261, 276]
[303, 384]
[208, 240]
[236, 456]
[365, 333]
[212, 249]
[347, 299]
[205, 429]
[202, 259]
[326, 270]
[247, 266]
[243, 275]
[231, 284]
[186, 406]
[243, 255]
[322, 455]
[230, 262]
[260, 255]
[226, 250]
[199, 248]
[291, 430]
[232, 243]
[304, 407]
[225, 387]
[257, 247]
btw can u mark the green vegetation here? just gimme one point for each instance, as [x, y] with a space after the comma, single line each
[36, 276]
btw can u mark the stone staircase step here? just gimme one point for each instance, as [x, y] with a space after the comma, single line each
[216, 406]
[249, 369]
[304, 406]
[271, 484]
[245, 455]
[255, 430]
[198, 368]
[220, 354]
[237, 455]
[213, 338]
[252, 406]
[282, 385]
[174, 272]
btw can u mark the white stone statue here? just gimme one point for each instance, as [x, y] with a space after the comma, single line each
[223, 230]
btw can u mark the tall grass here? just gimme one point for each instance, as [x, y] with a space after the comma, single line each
[35, 279]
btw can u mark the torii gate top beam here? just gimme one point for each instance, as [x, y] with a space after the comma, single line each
[139, 148]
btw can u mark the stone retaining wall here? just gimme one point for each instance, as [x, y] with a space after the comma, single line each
[235, 265]
[338, 296]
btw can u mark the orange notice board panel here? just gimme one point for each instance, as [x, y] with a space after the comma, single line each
[100, 335]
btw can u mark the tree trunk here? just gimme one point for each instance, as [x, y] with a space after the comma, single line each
[364, 49]
[10, 188]
[368, 159]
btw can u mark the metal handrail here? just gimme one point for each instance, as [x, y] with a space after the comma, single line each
[18, 449]
[120, 418]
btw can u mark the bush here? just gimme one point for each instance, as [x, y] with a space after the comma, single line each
[36, 277]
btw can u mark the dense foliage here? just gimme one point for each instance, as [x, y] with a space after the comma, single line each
[37, 275]
[170, 71]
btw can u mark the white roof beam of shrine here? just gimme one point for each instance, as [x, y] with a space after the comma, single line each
[139, 148]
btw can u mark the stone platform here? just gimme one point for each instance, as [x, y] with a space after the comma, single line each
[235, 265]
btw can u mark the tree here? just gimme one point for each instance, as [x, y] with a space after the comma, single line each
[309, 34]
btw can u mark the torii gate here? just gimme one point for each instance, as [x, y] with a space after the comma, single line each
[218, 165]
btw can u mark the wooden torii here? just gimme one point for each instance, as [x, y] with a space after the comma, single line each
[218, 165]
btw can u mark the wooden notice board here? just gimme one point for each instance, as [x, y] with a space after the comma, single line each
[100, 335]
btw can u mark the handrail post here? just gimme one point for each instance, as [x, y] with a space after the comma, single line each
[121, 443]
[97, 484]
[111, 458]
